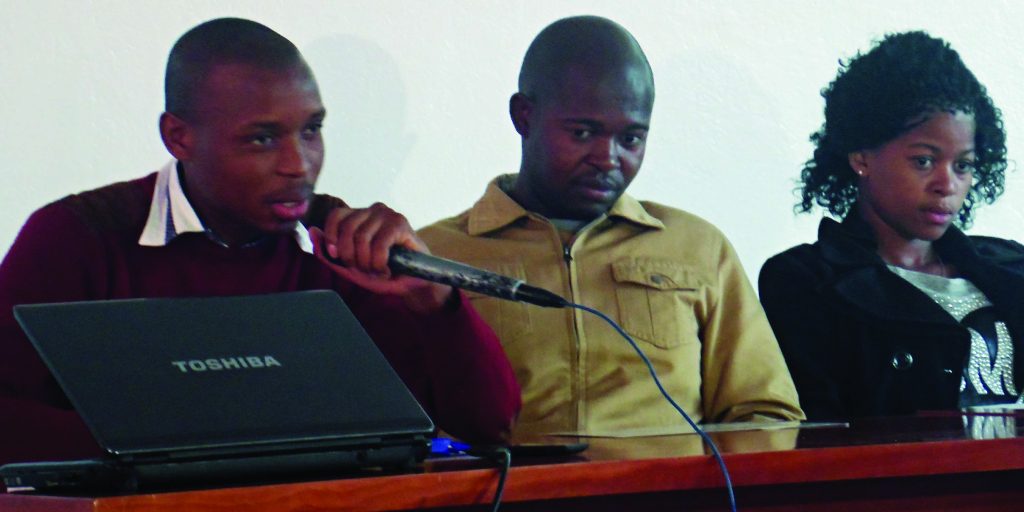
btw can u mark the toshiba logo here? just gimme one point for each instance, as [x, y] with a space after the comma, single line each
[225, 363]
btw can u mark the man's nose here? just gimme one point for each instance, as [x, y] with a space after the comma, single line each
[294, 159]
[605, 154]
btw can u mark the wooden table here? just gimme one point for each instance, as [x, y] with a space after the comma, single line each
[937, 462]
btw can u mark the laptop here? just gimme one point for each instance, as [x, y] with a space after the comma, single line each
[202, 391]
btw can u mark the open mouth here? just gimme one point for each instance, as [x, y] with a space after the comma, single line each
[289, 211]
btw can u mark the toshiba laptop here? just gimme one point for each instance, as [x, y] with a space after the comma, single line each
[203, 391]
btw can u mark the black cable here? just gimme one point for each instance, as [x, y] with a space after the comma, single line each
[503, 457]
[650, 368]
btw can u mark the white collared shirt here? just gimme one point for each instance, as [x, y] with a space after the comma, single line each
[170, 214]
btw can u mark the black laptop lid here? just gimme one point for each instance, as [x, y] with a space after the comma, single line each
[165, 375]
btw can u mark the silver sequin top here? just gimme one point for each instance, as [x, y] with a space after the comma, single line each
[986, 375]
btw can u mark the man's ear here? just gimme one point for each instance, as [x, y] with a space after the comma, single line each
[519, 109]
[177, 136]
[858, 161]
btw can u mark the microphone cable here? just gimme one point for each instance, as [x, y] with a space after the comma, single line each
[500, 455]
[459, 275]
[650, 368]
[503, 457]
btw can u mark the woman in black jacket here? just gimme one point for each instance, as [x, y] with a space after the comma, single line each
[894, 310]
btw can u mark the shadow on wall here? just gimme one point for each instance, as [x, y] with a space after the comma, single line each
[365, 136]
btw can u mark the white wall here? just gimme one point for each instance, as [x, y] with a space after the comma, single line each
[417, 93]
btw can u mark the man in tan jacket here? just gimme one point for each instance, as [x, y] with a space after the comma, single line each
[564, 223]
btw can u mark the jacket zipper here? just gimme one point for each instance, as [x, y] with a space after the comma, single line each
[577, 384]
[577, 322]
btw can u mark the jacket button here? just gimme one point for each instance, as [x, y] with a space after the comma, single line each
[657, 278]
[902, 360]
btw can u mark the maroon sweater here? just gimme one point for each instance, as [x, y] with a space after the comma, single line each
[85, 247]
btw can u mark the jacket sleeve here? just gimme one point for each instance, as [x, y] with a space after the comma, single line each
[799, 314]
[745, 377]
[51, 260]
[452, 362]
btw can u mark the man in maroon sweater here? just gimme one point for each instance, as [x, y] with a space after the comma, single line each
[234, 213]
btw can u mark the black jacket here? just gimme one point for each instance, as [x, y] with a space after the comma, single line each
[861, 341]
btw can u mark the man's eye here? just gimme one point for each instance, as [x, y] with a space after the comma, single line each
[313, 129]
[582, 133]
[632, 141]
[262, 139]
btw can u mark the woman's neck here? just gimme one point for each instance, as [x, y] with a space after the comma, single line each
[912, 254]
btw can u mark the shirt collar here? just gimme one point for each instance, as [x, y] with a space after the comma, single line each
[170, 214]
[496, 209]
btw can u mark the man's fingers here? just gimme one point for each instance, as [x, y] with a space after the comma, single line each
[366, 244]
[319, 240]
[330, 231]
[344, 228]
[384, 229]
[362, 239]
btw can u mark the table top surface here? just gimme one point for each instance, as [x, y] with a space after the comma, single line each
[930, 444]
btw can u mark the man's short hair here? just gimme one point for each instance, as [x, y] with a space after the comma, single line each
[221, 41]
[593, 42]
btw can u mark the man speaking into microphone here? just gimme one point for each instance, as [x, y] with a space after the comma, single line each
[564, 223]
[233, 214]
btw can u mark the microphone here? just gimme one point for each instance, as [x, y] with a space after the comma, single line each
[459, 275]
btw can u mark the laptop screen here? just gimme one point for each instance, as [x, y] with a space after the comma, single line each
[164, 375]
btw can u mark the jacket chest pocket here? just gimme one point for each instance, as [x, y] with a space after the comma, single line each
[656, 300]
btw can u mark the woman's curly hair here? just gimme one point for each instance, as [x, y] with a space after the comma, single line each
[871, 102]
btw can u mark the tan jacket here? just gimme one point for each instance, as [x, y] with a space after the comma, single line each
[669, 278]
